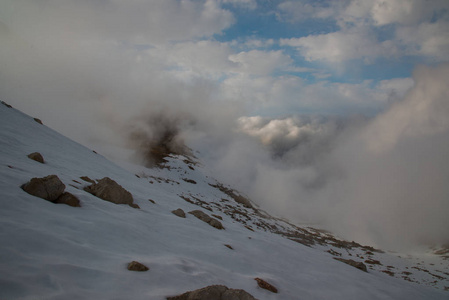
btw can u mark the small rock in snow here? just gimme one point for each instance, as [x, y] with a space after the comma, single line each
[137, 266]
[206, 218]
[179, 212]
[214, 292]
[36, 156]
[265, 285]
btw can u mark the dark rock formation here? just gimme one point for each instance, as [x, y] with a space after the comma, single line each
[265, 285]
[48, 188]
[6, 104]
[137, 266]
[109, 190]
[87, 179]
[206, 218]
[36, 156]
[214, 292]
[179, 212]
[38, 121]
[355, 264]
[69, 199]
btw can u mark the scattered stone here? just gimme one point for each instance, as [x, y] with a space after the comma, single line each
[355, 264]
[38, 121]
[36, 156]
[229, 246]
[6, 104]
[218, 217]
[109, 190]
[134, 205]
[189, 180]
[206, 218]
[152, 201]
[137, 176]
[214, 292]
[48, 188]
[388, 272]
[87, 179]
[137, 266]
[94, 151]
[265, 285]
[179, 212]
[372, 262]
[69, 199]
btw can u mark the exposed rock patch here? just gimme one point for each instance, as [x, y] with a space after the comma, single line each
[265, 285]
[36, 156]
[38, 121]
[206, 218]
[6, 104]
[355, 264]
[214, 292]
[137, 266]
[69, 199]
[87, 179]
[179, 212]
[109, 190]
[48, 188]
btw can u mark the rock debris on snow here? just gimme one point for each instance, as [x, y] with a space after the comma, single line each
[214, 292]
[206, 218]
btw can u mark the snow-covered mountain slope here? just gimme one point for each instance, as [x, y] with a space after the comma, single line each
[55, 251]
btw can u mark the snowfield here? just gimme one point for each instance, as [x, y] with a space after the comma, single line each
[54, 251]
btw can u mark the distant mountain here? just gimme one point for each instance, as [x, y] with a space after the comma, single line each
[188, 229]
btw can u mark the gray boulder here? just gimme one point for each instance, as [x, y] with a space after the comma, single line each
[214, 292]
[48, 188]
[206, 218]
[109, 190]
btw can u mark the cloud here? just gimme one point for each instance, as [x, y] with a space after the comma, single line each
[340, 46]
[380, 180]
[261, 62]
[418, 27]
[248, 4]
[134, 21]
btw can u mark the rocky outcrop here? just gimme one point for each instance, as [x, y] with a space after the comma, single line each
[48, 188]
[109, 190]
[179, 212]
[52, 189]
[206, 218]
[355, 264]
[68, 199]
[137, 266]
[214, 292]
[87, 179]
[265, 285]
[36, 156]
[38, 121]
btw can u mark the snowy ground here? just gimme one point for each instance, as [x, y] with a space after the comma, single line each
[54, 251]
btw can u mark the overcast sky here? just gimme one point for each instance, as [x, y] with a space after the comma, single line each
[273, 57]
[320, 110]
